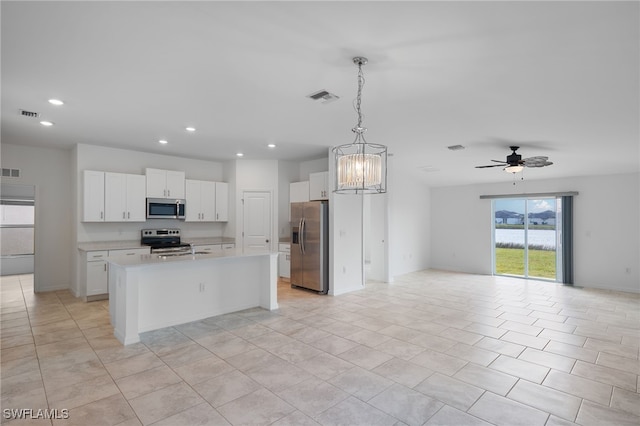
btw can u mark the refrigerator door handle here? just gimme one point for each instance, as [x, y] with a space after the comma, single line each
[302, 236]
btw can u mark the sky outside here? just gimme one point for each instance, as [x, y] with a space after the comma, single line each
[517, 205]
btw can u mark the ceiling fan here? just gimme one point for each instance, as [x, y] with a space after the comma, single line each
[515, 163]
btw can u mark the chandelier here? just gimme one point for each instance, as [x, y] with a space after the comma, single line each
[361, 167]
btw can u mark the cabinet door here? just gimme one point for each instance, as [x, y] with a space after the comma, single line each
[208, 201]
[318, 186]
[93, 196]
[115, 197]
[222, 202]
[156, 183]
[299, 192]
[97, 276]
[193, 200]
[136, 205]
[175, 184]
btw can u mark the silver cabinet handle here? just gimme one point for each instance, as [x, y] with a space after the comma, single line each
[129, 215]
[101, 215]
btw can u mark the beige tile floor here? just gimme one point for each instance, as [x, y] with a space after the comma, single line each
[433, 348]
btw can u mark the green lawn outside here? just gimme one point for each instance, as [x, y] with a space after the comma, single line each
[542, 263]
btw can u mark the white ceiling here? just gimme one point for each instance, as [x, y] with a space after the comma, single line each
[557, 78]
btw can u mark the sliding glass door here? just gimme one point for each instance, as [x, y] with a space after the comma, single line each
[525, 237]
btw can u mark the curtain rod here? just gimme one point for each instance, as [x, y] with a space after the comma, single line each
[531, 195]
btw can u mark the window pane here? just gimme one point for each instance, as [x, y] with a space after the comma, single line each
[541, 238]
[509, 237]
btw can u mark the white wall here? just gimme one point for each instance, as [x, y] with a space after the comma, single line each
[606, 227]
[50, 171]
[312, 166]
[288, 171]
[409, 221]
[90, 157]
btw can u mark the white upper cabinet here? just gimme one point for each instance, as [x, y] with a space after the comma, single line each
[299, 192]
[222, 202]
[206, 201]
[319, 186]
[165, 183]
[113, 197]
[200, 199]
[93, 196]
[124, 197]
[136, 198]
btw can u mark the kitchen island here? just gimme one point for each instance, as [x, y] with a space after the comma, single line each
[150, 291]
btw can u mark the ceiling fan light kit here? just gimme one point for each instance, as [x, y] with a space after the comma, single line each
[361, 167]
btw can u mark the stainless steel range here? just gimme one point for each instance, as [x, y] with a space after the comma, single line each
[165, 242]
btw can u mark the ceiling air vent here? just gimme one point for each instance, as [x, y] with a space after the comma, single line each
[29, 114]
[324, 96]
[455, 147]
[13, 173]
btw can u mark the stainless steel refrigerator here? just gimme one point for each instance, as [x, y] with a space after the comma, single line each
[309, 246]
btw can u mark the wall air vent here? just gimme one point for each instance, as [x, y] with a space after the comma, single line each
[29, 114]
[12, 173]
[324, 96]
[455, 147]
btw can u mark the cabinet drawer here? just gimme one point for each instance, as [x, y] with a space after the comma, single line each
[208, 248]
[93, 256]
[129, 252]
[285, 247]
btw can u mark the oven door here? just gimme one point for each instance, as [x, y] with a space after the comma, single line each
[160, 208]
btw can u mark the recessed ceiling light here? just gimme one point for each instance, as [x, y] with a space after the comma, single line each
[190, 129]
[163, 142]
[57, 102]
[272, 145]
[240, 154]
[46, 123]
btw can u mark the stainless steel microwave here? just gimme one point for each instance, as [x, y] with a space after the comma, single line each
[165, 208]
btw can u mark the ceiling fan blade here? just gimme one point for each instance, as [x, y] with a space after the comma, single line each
[498, 161]
[540, 161]
[491, 165]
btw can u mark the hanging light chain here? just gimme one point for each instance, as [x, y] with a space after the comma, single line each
[357, 105]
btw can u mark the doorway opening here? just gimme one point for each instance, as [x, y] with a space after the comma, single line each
[527, 238]
[17, 229]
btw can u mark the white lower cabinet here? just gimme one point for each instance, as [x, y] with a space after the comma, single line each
[96, 273]
[284, 260]
[96, 270]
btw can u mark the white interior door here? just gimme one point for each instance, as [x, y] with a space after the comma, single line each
[257, 226]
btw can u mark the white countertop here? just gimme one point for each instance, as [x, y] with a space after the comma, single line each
[156, 259]
[133, 244]
[109, 245]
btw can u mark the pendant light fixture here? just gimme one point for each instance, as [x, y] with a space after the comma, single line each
[361, 167]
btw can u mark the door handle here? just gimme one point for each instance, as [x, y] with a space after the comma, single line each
[267, 241]
[302, 236]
